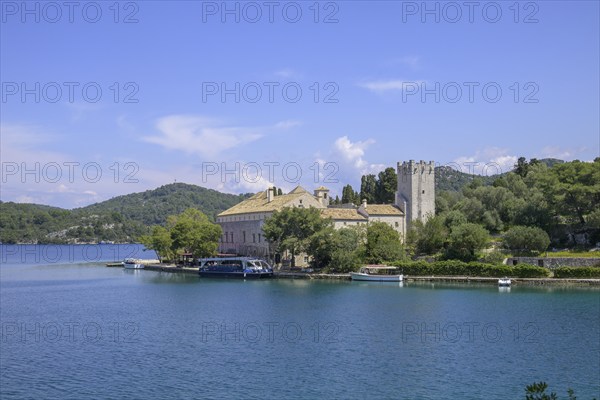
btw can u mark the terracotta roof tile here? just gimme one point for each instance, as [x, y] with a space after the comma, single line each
[342, 214]
[259, 204]
[383, 209]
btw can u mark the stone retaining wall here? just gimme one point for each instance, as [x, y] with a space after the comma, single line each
[555, 262]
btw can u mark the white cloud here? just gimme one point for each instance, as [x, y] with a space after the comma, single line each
[288, 124]
[489, 161]
[287, 73]
[391, 85]
[200, 135]
[62, 188]
[80, 110]
[33, 174]
[410, 61]
[561, 153]
[22, 143]
[25, 199]
[352, 152]
[351, 156]
[493, 160]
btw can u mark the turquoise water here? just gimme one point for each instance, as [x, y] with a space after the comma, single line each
[72, 328]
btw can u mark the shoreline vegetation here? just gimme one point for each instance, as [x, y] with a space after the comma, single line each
[574, 282]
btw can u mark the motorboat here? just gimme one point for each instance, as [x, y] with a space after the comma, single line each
[234, 267]
[504, 282]
[132, 263]
[379, 273]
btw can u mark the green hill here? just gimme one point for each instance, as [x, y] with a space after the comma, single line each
[447, 178]
[152, 207]
[120, 219]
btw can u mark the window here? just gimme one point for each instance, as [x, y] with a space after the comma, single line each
[259, 238]
[244, 236]
[397, 224]
[423, 192]
[254, 238]
[344, 223]
[300, 201]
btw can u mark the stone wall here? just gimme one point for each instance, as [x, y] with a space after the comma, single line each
[555, 262]
[244, 238]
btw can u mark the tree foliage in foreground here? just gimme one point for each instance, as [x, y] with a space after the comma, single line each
[526, 240]
[189, 232]
[380, 189]
[537, 391]
[466, 241]
[383, 243]
[429, 237]
[337, 250]
[291, 229]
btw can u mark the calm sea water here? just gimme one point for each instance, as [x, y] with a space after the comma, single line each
[74, 329]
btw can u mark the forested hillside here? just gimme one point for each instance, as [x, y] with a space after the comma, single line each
[152, 207]
[120, 219]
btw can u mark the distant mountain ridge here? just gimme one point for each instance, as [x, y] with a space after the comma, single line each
[152, 207]
[448, 178]
[120, 219]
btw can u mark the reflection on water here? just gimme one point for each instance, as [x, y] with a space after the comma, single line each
[167, 277]
[376, 283]
[504, 289]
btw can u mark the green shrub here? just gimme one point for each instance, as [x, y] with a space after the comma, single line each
[529, 271]
[460, 268]
[494, 257]
[526, 239]
[577, 272]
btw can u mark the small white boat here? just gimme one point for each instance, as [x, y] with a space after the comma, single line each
[132, 263]
[504, 282]
[379, 273]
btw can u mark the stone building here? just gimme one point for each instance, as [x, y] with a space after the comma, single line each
[416, 190]
[242, 223]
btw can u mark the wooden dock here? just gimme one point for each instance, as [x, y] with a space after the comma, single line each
[115, 264]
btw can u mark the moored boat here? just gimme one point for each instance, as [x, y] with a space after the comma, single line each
[132, 263]
[380, 273]
[235, 267]
[504, 282]
[114, 264]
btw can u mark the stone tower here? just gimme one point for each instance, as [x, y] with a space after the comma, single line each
[416, 190]
[322, 194]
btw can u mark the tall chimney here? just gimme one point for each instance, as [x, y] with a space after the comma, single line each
[270, 194]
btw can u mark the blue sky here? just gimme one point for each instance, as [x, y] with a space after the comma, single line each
[310, 98]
